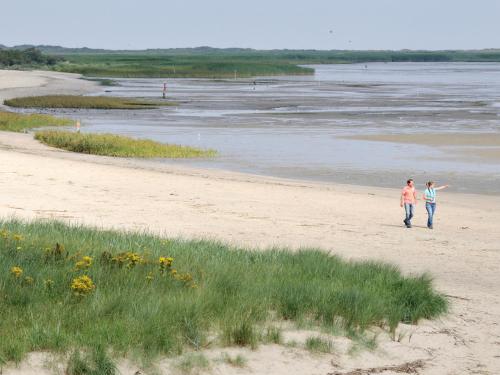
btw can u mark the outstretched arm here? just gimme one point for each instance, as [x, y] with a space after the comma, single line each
[441, 187]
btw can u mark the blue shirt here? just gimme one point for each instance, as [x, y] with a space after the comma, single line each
[430, 195]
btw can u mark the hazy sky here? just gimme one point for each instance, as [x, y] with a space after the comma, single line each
[315, 24]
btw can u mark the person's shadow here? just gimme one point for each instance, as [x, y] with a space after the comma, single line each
[402, 226]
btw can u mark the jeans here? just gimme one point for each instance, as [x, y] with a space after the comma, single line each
[409, 209]
[431, 209]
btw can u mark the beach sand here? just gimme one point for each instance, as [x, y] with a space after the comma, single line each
[16, 83]
[462, 253]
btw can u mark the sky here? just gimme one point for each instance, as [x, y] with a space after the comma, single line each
[260, 24]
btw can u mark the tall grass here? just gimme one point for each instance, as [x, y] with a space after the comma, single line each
[78, 101]
[151, 306]
[115, 145]
[18, 122]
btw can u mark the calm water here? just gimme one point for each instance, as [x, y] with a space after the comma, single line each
[294, 126]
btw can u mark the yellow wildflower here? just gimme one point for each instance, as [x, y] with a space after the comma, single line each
[82, 285]
[165, 263]
[85, 262]
[16, 271]
[17, 237]
[5, 234]
[28, 280]
[129, 259]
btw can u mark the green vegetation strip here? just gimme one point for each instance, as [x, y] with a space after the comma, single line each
[68, 288]
[18, 122]
[239, 63]
[116, 145]
[209, 62]
[87, 102]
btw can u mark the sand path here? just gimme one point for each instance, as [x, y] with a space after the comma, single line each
[462, 253]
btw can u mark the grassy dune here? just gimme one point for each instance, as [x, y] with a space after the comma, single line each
[115, 145]
[18, 122]
[102, 292]
[88, 102]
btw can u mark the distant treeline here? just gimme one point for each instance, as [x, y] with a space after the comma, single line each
[207, 62]
[27, 57]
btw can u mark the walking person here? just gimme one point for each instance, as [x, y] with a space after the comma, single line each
[409, 201]
[430, 202]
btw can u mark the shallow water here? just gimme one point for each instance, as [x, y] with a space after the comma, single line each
[293, 126]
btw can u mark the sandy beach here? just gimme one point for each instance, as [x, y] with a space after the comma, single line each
[462, 253]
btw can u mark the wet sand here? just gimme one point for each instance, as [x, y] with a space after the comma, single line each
[437, 139]
[462, 253]
[482, 147]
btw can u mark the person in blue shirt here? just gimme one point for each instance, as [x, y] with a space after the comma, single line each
[430, 201]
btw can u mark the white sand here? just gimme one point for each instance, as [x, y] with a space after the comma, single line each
[462, 253]
[14, 83]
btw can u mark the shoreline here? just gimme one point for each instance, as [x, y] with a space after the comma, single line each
[356, 222]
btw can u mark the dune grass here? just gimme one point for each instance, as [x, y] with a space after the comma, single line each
[318, 345]
[84, 102]
[19, 122]
[116, 145]
[68, 288]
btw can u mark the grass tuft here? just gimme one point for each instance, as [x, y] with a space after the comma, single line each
[318, 345]
[116, 145]
[158, 297]
[192, 363]
[238, 361]
[18, 122]
[95, 363]
[273, 335]
[84, 102]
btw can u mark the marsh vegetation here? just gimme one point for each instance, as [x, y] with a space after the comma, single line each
[116, 145]
[20, 122]
[84, 102]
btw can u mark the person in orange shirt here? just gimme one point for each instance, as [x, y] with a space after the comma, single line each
[409, 201]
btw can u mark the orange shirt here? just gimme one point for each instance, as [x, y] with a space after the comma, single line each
[409, 194]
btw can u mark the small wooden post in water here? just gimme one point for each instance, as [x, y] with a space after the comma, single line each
[164, 90]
